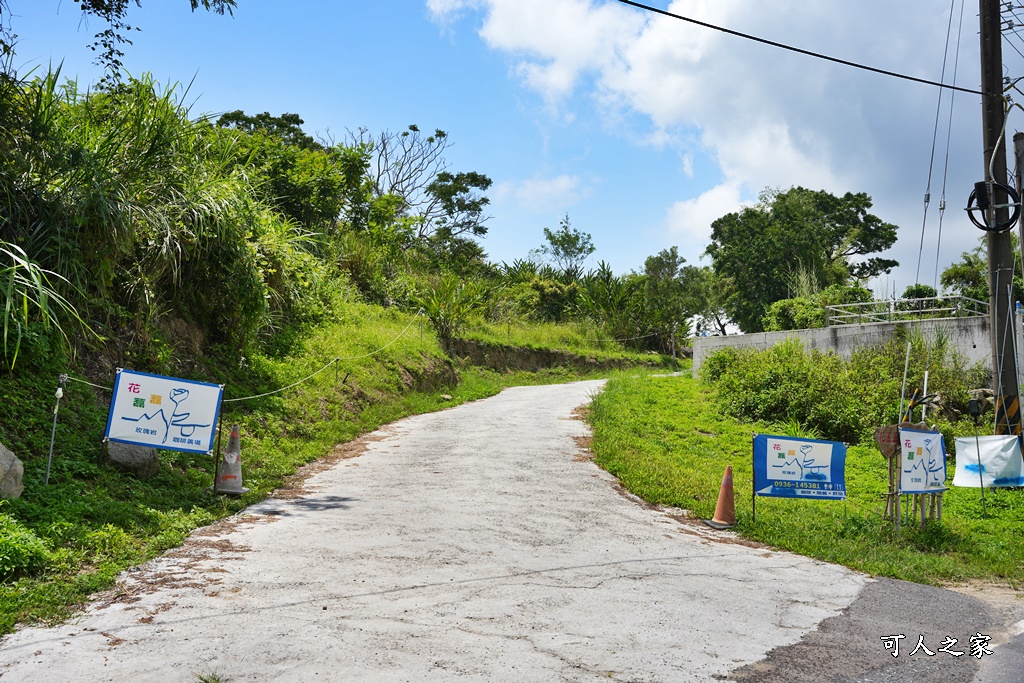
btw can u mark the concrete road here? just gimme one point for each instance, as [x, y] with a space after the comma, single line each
[481, 543]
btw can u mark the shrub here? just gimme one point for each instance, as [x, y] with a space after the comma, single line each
[808, 312]
[715, 365]
[22, 553]
[841, 400]
[450, 303]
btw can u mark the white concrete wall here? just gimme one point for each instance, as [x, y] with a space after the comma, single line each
[969, 335]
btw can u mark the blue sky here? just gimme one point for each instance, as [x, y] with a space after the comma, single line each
[642, 129]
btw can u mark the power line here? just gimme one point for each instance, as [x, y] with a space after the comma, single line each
[1015, 48]
[935, 136]
[949, 135]
[783, 46]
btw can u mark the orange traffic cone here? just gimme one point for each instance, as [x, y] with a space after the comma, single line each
[229, 473]
[725, 510]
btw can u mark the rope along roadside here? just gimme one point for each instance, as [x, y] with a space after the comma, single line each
[301, 381]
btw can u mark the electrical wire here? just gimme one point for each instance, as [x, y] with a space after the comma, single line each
[949, 134]
[1010, 43]
[935, 135]
[798, 50]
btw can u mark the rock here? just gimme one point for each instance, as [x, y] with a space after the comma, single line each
[11, 472]
[142, 461]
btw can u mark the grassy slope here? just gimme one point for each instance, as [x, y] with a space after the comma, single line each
[577, 338]
[94, 521]
[666, 440]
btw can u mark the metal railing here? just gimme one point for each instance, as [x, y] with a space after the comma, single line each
[896, 310]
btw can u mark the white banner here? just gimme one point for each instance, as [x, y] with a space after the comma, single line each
[163, 412]
[1000, 465]
[923, 461]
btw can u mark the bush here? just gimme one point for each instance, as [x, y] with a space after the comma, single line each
[715, 365]
[787, 383]
[22, 553]
[841, 400]
[808, 312]
[449, 304]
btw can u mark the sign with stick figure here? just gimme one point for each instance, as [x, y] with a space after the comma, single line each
[163, 412]
[922, 461]
[789, 467]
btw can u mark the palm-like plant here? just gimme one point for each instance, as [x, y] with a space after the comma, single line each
[614, 302]
[450, 303]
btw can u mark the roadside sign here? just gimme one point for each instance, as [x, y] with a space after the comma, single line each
[788, 467]
[922, 461]
[888, 440]
[163, 412]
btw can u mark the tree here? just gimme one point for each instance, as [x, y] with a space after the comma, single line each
[109, 41]
[305, 180]
[616, 303]
[456, 206]
[412, 167]
[567, 248]
[705, 294]
[287, 127]
[664, 295]
[758, 249]
[969, 276]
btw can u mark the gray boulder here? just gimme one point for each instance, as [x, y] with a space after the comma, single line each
[11, 472]
[142, 461]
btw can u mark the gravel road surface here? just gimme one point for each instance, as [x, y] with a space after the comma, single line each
[481, 543]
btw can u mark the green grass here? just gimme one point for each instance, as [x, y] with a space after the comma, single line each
[582, 339]
[666, 439]
[65, 541]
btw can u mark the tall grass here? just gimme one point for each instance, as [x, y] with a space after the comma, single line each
[145, 213]
[27, 294]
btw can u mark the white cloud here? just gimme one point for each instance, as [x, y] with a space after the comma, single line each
[543, 195]
[771, 155]
[759, 116]
[555, 43]
[687, 160]
[689, 221]
[442, 9]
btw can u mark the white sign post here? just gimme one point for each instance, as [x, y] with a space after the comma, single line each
[163, 412]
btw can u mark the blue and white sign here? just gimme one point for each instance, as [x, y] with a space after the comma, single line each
[163, 412]
[922, 461]
[787, 467]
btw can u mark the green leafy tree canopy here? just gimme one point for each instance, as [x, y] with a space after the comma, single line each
[969, 276]
[758, 249]
[567, 247]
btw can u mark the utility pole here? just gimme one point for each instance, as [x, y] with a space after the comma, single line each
[1000, 249]
[1018, 165]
